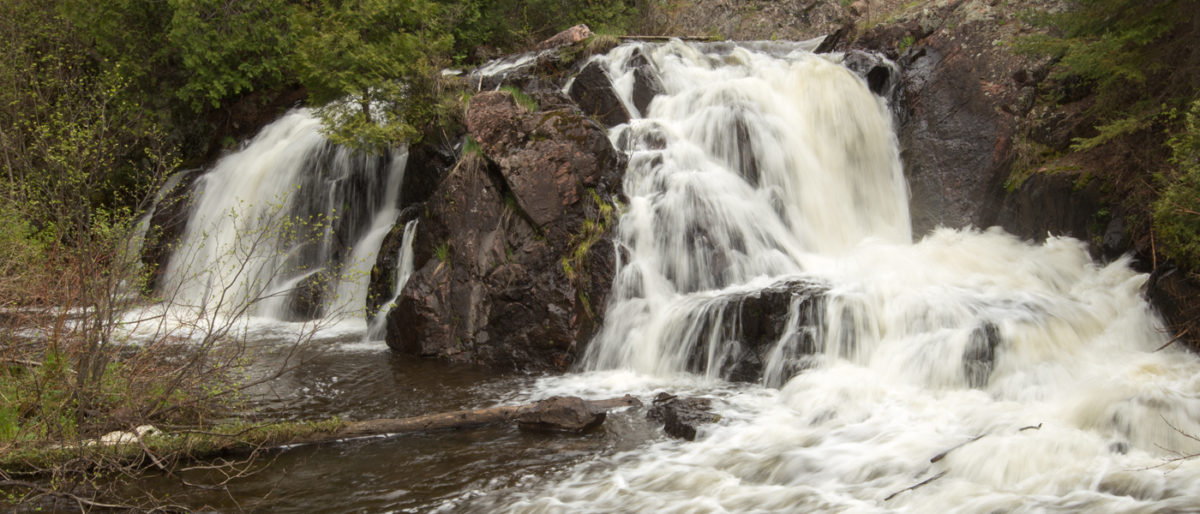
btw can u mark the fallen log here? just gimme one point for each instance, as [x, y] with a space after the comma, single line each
[558, 413]
[562, 414]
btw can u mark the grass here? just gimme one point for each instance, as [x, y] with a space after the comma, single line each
[525, 101]
[591, 231]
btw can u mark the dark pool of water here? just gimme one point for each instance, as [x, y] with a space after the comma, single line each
[446, 470]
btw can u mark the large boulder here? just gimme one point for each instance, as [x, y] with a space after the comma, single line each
[593, 92]
[576, 34]
[513, 253]
[306, 300]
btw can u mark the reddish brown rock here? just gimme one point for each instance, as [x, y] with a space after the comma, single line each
[570, 36]
[499, 278]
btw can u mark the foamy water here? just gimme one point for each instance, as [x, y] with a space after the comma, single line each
[966, 372]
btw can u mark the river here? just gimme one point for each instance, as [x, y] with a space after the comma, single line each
[965, 371]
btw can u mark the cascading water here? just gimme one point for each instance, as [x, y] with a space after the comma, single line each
[969, 371]
[404, 269]
[288, 226]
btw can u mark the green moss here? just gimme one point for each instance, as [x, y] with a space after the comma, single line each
[590, 232]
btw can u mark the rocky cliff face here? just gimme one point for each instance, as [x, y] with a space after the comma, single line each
[513, 256]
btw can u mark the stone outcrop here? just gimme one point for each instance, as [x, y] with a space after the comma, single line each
[513, 255]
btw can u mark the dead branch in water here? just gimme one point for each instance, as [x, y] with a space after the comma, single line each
[922, 483]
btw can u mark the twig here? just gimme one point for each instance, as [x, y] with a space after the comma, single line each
[942, 455]
[1173, 339]
[1031, 427]
[24, 362]
[922, 483]
[50, 492]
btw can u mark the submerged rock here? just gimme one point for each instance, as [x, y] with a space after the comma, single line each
[306, 300]
[681, 417]
[746, 327]
[561, 414]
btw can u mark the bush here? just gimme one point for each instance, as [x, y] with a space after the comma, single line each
[1177, 211]
[1124, 51]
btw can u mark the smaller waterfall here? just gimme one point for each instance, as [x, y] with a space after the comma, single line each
[286, 228]
[404, 269]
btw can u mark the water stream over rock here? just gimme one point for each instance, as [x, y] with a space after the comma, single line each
[767, 240]
[765, 260]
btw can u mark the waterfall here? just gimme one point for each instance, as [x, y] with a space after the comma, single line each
[287, 227]
[766, 239]
[404, 269]
[750, 168]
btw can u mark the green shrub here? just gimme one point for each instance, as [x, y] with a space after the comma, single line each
[1177, 211]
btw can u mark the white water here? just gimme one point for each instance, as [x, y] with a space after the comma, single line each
[404, 269]
[1076, 409]
[287, 206]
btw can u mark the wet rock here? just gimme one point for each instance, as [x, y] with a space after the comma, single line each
[646, 84]
[880, 74]
[427, 164]
[168, 223]
[306, 300]
[382, 283]
[593, 93]
[1063, 204]
[979, 357]
[1174, 293]
[681, 417]
[833, 40]
[748, 326]
[954, 144]
[561, 414]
